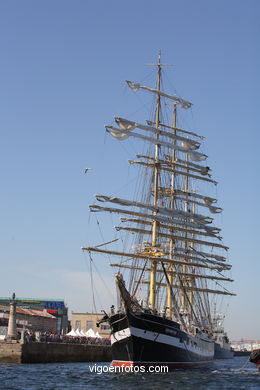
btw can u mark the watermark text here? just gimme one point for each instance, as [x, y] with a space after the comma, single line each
[102, 369]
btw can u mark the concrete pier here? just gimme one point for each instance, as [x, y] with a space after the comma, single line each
[35, 352]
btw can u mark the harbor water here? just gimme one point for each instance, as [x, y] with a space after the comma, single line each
[232, 374]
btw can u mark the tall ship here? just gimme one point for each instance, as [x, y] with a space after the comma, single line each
[172, 264]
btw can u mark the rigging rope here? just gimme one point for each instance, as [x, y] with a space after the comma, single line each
[91, 283]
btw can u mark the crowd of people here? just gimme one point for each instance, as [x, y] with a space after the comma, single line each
[48, 337]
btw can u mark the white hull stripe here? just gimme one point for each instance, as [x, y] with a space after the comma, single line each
[203, 348]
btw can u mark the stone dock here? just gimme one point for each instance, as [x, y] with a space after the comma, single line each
[37, 352]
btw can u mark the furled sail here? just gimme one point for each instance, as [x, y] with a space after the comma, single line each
[160, 218]
[194, 275]
[179, 130]
[162, 210]
[121, 135]
[125, 124]
[212, 209]
[188, 228]
[172, 170]
[217, 257]
[135, 86]
[188, 288]
[207, 200]
[187, 165]
[153, 258]
[174, 237]
[204, 170]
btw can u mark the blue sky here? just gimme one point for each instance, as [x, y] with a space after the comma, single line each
[63, 66]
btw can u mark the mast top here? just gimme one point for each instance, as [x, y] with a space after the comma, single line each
[159, 64]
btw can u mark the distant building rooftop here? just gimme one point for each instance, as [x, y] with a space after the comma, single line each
[32, 300]
[32, 312]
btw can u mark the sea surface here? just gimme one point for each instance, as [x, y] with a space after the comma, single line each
[233, 374]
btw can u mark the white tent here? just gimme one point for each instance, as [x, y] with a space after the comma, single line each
[98, 335]
[90, 333]
[78, 333]
[82, 333]
[72, 333]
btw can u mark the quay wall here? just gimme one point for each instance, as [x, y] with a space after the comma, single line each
[36, 352]
[10, 352]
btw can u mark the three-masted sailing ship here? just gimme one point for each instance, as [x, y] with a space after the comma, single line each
[177, 260]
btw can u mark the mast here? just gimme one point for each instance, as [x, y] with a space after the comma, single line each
[191, 279]
[171, 267]
[184, 267]
[155, 223]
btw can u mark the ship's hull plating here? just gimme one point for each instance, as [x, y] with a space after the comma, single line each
[222, 353]
[145, 339]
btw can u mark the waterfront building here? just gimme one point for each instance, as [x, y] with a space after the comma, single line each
[86, 321]
[245, 345]
[55, 307]
[26, 319]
